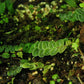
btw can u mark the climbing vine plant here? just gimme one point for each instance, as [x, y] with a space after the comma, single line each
[39, 48]
[73, 16]
[46, 48]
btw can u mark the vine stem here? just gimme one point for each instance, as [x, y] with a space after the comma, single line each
[79, 79]
[82, 54]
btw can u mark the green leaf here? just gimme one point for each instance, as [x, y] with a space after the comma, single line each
[40, 53]
[2, 7]
[13, 55]
[68, 42]
[51, 44]
[31, 48]
[35, 52]
[47, 67]
[6, 20]
[14, 70]
[46, 52]
[62, 49]
[17, 48]
[9, 5]
[20, 54]
[51, 11]
[5, 55]
[39, 65]
[81, 18]
[36, 44]
[53, 51]
[64, 6]
[81, 5]
[40, 45]
[32, 66]
[22, 61]
[52, 82]
[75, 45]
[44, 44]
[58, 80]
[9, 48]
[10, 8]
[1, 21]
[37, 28]
[71, 3]
[27, 47]
[60, 43]
[1, 49]
[27, 65]
[55, 76]
[70, 82]
[31, 6]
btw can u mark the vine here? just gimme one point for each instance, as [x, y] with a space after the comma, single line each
[46, 48]
[77, 15]
[39, 48]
